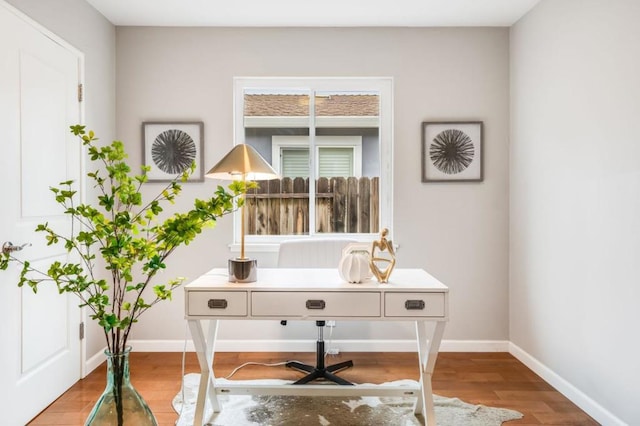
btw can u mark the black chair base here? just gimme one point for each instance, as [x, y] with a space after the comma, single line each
[320, 371]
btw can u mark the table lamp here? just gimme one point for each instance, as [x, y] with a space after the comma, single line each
[242, 163]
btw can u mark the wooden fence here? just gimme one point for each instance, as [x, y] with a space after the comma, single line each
[281, 206]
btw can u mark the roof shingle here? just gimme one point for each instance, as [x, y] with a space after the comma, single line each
[298, 105]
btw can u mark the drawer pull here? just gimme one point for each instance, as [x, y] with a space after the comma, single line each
[414, 305]
[315, 304]
[217, 303]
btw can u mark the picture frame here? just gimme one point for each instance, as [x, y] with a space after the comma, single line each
[169, 148]
[452, 151]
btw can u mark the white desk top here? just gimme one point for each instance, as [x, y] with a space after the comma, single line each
[313, 279]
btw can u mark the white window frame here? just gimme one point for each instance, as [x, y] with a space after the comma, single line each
[382, 85]
[354, 142]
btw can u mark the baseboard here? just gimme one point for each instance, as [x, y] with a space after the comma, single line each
[93, 362]
[309, 345]
[588, 405]
[474, 346]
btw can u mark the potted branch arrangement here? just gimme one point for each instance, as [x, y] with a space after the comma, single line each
[133, 243]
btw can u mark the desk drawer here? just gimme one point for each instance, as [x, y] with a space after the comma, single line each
[314, 304]
[414, 305]
[217, 303]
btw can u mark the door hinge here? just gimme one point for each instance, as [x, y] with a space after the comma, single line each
[81, 331]
[80, 92]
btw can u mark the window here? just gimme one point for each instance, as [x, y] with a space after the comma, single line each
[336, 161]
[330, 139]
[294, 162]
[337, 156]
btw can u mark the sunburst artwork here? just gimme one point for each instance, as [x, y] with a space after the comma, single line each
[171, 148]
[173, 151]
[452, 151]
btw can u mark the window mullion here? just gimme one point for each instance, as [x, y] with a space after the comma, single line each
[312, 162]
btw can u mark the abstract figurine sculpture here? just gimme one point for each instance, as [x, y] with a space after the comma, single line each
[382, 245]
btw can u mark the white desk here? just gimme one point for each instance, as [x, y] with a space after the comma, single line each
[317, 294]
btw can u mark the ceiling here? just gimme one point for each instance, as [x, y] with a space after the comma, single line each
[313, 13]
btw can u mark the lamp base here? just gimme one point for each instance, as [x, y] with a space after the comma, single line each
[243, 270]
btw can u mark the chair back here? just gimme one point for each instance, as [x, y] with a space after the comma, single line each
[312, 253]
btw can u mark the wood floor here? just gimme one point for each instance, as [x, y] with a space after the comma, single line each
[495, 379]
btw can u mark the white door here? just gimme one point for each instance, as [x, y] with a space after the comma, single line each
[39, 341]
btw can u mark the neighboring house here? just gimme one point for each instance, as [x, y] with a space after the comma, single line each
[347, 137]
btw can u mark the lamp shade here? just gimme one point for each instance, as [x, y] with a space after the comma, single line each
[242, 162]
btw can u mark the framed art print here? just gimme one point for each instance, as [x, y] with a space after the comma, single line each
[452, 151]
[170, 148]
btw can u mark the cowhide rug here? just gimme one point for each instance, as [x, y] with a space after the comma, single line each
[264, 410]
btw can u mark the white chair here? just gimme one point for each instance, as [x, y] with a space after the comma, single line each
[315, 253]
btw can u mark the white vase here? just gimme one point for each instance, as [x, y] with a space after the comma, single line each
[354, 267]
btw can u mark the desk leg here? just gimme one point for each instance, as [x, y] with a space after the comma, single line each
[428, 347]
[205, 352]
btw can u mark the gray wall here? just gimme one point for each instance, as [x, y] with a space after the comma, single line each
[575, 203]
[458, 232]
[82, 26]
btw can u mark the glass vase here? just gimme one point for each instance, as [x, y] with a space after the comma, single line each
[120, 404]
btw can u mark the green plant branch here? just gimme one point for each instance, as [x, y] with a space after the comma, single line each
[60, 281]
[127, 234]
